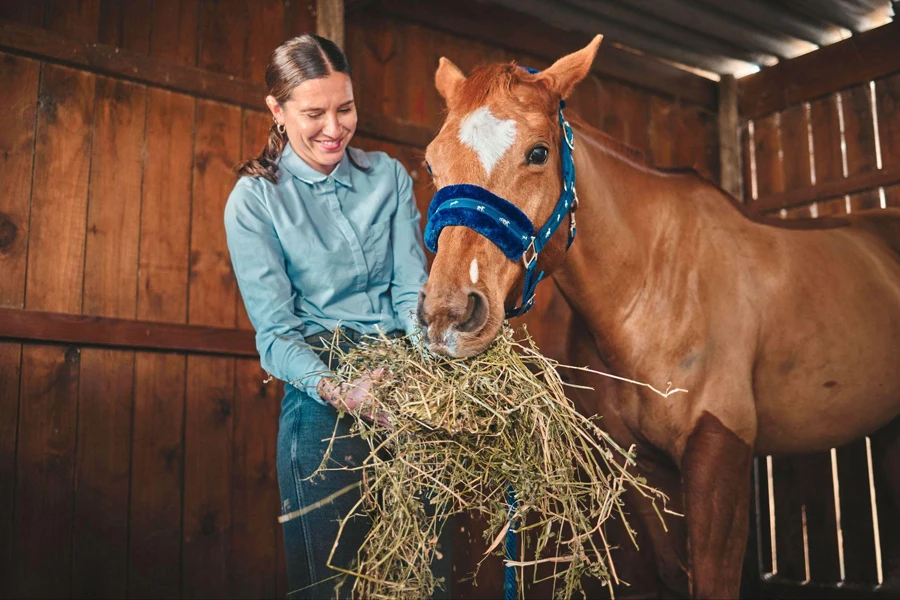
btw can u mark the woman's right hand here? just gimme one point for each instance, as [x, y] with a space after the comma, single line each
[350, 396]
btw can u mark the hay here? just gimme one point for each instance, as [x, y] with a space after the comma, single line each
[464, 431]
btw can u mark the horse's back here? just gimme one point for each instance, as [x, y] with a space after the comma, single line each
[883, 222]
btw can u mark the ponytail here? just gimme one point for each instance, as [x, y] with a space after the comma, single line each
[266, 164]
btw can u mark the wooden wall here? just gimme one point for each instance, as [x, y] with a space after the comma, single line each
[836, 153]
[132, 472]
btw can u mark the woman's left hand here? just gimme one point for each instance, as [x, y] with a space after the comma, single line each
[358, 393]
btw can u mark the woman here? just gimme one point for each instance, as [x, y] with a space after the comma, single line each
[321, 236]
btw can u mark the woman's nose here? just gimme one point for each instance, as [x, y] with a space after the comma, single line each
[332, 126]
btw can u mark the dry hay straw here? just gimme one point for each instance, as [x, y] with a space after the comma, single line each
[462, 432]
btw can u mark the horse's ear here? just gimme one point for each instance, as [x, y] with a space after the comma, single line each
[565, 73]
[448, 78]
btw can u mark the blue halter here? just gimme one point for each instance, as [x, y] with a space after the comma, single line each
[505, 224]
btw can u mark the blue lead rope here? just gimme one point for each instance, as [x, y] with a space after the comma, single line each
[509, 584]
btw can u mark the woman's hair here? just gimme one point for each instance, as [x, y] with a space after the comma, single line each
[297, 60]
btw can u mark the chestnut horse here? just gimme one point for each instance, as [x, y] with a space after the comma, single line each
[787, 341]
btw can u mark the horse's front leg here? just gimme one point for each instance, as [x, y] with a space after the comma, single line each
[715, 468]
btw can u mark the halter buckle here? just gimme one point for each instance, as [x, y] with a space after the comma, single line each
[574, 200]
[526, 260]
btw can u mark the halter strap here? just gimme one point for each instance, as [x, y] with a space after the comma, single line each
[503, 223]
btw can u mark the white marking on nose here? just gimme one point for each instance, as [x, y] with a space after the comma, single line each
[473, 270]
[487, 135]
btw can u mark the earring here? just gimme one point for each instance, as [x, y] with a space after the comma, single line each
[278, 126]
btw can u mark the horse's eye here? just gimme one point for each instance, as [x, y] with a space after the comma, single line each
[537, 155]
[428, 168]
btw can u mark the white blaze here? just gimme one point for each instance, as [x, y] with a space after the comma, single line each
[473, 270]
[487, 135]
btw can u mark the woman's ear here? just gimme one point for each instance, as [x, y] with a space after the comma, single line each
[275, 108]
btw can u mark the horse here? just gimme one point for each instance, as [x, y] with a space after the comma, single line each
[787, 341]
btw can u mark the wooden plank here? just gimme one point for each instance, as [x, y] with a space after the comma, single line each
[815, 484]
[10, 370]
[26, 13]
[100, 537]
[886, 472]
[420, 102]
[330, 20]
[265, 31]
[795, 148]
[208, 469]
[210, 397]
[729, 137]
[660, 132]
[520, 33]
[767, 149]
[174, 28]
[223, 32]
[165, 218]
[859, 135]
[851, 185]
[859, 59]
[826, 132]
[79, 20]
[17, 126]
[256, 499]
[788, 519]
[159, 390]
[34, 325]
[126, 25]
[299, 17]
[45, 472]
[216, 151]
[157, 474]
[59, 192]
[102, 469]
[201, 83]
[887, 98]
[125, 64]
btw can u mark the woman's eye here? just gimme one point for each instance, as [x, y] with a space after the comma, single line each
[537, 155]
[314, 115]
[344, 110]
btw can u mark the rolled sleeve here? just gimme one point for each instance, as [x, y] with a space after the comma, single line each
[409, 257]
[259, 266]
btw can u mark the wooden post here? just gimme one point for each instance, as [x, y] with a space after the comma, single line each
[330, 20]
[729, 140]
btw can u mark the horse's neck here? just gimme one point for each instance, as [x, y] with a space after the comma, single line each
[623, 214]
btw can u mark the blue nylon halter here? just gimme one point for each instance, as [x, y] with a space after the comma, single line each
[505, 224]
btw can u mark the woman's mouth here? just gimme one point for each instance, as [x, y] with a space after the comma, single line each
[330, 145]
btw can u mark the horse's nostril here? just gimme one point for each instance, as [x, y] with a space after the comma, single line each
[476, 313]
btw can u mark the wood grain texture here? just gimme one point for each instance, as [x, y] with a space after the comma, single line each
[45, 468]
[697, 141]
[17, 125]
[208, 471]
[795, 148]
[80, 19]
[265, 31]
[887, 98]
[859, 135]
[256, 501]
[166, 212]
[223, 36]
[10, 369]
[174, 31]
[157, 475]
[26, 13]
[59, 193]
[126, 24]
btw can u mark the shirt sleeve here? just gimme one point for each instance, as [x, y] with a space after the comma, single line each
[259, 266]
[409, 257]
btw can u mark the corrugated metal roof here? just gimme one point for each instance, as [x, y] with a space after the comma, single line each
[714, 37]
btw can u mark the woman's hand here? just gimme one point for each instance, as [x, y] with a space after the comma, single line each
[350, 396]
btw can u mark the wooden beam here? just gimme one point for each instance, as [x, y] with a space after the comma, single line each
[330, 20]
[520, 33]
[861, 182]
[729, 137]
[123, 64]
[37, 326]
[858, 59]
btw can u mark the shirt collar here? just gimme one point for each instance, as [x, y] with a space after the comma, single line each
[298, 167]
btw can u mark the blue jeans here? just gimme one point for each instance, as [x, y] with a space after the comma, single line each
[304, 430]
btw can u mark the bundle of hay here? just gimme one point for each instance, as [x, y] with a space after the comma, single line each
[464, 432]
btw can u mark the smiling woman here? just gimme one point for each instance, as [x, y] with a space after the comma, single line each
[322, 236]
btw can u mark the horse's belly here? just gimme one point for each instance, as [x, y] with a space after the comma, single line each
[836, 396]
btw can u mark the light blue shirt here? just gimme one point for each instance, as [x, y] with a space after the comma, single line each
[315, 251]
